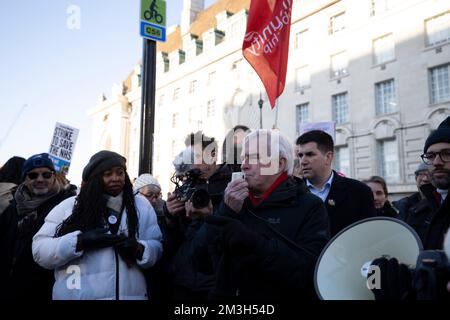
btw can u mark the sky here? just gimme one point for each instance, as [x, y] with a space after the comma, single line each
[56, 59]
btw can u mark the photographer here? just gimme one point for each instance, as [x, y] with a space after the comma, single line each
[197, 170]
[427, 281]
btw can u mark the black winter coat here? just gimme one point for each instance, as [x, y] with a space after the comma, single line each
[387, 211]
[287, 223]
[439, 222]
[418, 212]
[348, 201]
[185, 282]
[404, 204]
[24, 279]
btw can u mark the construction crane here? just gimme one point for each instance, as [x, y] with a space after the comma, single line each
[12, 124]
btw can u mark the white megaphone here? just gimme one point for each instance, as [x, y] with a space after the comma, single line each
[342, 268]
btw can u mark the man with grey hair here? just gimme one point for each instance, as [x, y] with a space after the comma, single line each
[265, 237]
[407, 205]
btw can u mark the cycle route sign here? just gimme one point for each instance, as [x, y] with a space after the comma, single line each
[153, 19]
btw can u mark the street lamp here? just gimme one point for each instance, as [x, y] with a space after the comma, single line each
[260, 103]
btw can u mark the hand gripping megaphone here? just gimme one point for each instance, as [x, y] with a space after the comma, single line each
[342, 268]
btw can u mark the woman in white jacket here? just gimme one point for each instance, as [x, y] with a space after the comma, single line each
[98, 241]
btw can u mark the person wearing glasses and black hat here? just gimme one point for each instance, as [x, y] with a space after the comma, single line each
[397, 281]
[437, 156]
[39, 193]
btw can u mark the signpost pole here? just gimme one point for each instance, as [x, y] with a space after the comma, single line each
[153, 28]
[148, 77]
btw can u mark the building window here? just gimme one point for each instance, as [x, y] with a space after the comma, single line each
[176, 94]
[174, 120]
[388, 159]
[161, 100]
[383, 49]
[301, 40]
[302, 78]
[342, 160]
[236, 30]
[165, 58]
[302, 115]
[211, 78]
[340, 107]
[438, 29]
[440, 84]
[211, 109]
[339, 64]
[337, 23]
[192, 86]
[379, 6]
[385, 101]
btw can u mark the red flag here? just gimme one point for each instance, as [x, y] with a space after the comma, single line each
[266, 43]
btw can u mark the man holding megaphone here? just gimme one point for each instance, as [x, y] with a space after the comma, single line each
[431, 276]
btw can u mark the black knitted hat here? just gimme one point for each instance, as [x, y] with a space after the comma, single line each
[441, 134]
[102, 161]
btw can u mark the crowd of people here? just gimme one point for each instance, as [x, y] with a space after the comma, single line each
[218, 236]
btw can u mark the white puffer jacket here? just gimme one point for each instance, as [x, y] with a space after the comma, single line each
[96, 274]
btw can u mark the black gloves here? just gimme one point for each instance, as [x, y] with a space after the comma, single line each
[235, 236]
[95, 239]
[396, 280]
[130, 250]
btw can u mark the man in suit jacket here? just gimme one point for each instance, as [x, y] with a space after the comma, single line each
[347, 200]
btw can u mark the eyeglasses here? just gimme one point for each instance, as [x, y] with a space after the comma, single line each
[151, 195]
[46, 175]
[429, 157]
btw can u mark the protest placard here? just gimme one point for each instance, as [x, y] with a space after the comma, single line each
[62, 146]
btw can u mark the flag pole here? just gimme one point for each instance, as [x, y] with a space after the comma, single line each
[277, 101]
[276, 114]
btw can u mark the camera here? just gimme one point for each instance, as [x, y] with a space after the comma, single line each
[189, 186]
[431, 275]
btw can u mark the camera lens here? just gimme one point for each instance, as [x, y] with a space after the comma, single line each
[200, 198]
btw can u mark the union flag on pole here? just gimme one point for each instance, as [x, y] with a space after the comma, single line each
[266, 43]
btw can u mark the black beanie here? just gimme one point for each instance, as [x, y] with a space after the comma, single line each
[102, 161]
[441, 134]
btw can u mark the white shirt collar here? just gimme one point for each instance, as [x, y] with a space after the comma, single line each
[327, 184]
[443, 193]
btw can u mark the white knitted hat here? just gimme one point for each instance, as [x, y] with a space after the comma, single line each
[143, 180]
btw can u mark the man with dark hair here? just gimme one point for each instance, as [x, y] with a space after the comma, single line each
[34, 198]
[397, 281]
[105, 231]
[183, 222]
[232, 146]
[346, 200]
[437, 156]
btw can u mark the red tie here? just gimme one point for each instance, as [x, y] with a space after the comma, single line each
[437, 198]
